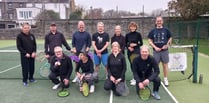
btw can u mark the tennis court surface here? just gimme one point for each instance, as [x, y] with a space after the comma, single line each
[12, 90]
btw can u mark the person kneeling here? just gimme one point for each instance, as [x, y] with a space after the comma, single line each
[116, 68]
[145, 70]
[61, 66]
[88, 75]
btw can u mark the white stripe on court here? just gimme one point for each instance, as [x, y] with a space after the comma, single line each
[10, 69]
[166, 89]
[111, 96]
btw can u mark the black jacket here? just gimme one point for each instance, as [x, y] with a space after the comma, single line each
[26, 43]
[65, 69]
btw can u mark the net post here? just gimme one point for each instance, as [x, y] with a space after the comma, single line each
[195, 59]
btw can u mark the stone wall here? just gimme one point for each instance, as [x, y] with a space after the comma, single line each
[67, 27]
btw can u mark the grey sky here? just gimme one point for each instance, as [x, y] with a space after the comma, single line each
[128, 5]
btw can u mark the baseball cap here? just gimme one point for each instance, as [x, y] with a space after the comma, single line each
[53, 24]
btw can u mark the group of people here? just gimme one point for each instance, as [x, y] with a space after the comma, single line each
[144, 66]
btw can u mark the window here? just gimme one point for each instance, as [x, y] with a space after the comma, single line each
[25, 14]
[10, 26]
[10, 6]
[10, 16]
[21, 14]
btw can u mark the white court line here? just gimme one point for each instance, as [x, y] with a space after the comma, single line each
[10, 69]
[111, 96]
[166, 89]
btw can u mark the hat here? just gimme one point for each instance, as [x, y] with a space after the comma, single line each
[53, 24]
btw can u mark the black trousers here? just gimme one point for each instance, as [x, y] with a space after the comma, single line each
[156, 85]
[53, 77]
[28, 67]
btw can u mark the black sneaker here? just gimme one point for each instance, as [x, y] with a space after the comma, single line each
[32, 80]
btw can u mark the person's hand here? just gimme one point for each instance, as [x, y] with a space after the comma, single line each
[33, 55]
[73, 50]
[82, 76]
[27, 55]
[66, 81]
[57, 63]
[157, 49]
[118, 80]
[87, 49]
[141, 85]
[164, 47]
[112, 79]
[146, 82]
[130, 49]
[133, 45]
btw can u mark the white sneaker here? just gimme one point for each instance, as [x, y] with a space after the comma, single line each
[166, 82]
[75, 79]
[55, 86]
[92, 87]
[133, 82]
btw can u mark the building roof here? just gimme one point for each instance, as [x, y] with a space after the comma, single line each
[36, 1]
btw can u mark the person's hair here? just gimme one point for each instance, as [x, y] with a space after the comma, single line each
[25, 24]
[100, 23]
[115, 43]
[145, 46]
[57, 47]
[132, 24]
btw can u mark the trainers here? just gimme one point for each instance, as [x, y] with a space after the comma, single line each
[133, 82]
[75, 79]
[92, 87]
[166, 82]
[32, 80]
[25, 84]
[156, 95]
[55, 86]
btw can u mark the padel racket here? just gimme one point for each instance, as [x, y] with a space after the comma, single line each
[44, 70]
[145, 93]
[85, 90]
[63, 93]
[133, 56]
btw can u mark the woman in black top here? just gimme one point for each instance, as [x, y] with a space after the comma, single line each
[87, 70]
[133, 43]
[116, 68]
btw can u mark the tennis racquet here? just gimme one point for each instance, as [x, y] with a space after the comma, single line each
[44, 70]
[40, 56]
[85, 88]
[63, 93]
[133, 56]
[145, 93]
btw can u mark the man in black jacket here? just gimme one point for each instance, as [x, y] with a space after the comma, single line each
[52, 39]
[145, 70]
[61, 65]
[26, 44]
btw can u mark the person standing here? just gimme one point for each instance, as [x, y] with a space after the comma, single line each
[118, 37]
[160, 38]
[81, 40]
[100, 42]
[116, 68]
[60, 65]
[26, 44]
[52, 39]
[133, 42]
[146, 70]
